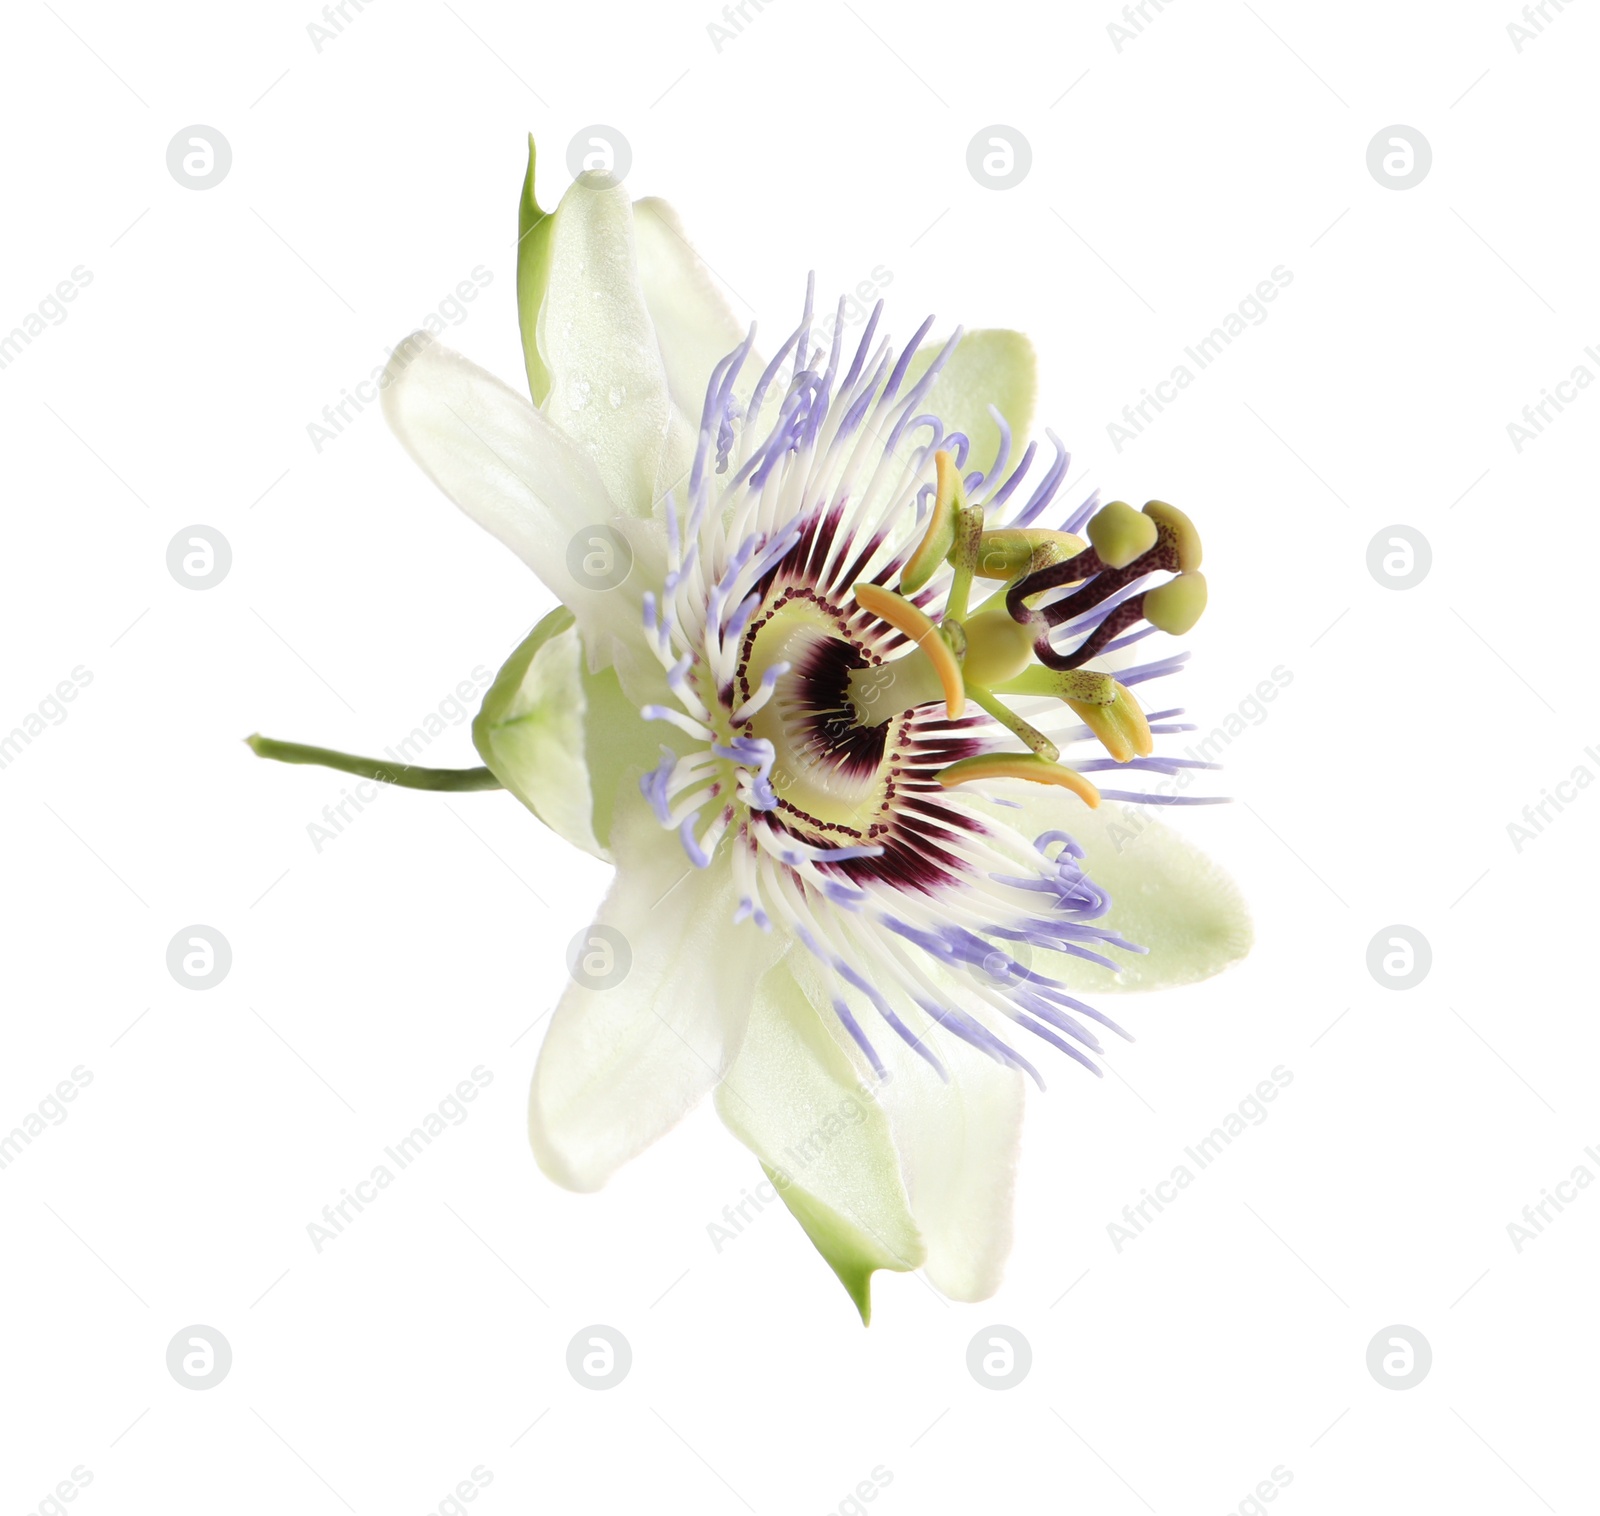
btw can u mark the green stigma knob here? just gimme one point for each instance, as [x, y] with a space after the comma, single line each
[1120, 534]
[1175, 606]
[1179, 529]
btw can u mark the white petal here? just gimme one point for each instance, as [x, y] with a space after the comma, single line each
[622, 1065]
[608, 388]
[695, 326]
[958, 1146]
[1166, 895]
[518, 477]
[799, 1102]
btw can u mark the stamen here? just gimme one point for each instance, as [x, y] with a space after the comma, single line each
[1120, 726]
[906, 618]
[941, 534]
[964, 557]
[1010, 551]
[1106, 707]
[1009, 719]
[1020, 766]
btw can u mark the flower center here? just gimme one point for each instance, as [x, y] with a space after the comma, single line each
[837, 689]
[832, 772]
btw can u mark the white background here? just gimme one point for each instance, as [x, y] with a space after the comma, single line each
[1168, 178]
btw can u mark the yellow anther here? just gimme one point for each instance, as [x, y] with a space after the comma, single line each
[1179, 528]
[1010, 551]
[1120, 534]
[1027, 766]
[1084, 685]
[904, 617]
[940, 537]
[1175, 606]
[1120, 725]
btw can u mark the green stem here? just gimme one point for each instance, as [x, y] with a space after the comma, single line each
[407, 776]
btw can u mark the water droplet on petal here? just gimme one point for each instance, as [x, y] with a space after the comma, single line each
[617, 396]
[580, 395]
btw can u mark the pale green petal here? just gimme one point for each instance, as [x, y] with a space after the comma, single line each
[989, 367]
[624, 1062]
[958, 1143]
[1166, 895]
[594, 333]
[799, 1101]
[560, 738]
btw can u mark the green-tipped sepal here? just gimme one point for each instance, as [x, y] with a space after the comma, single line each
[533, 275]
[560, 738]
